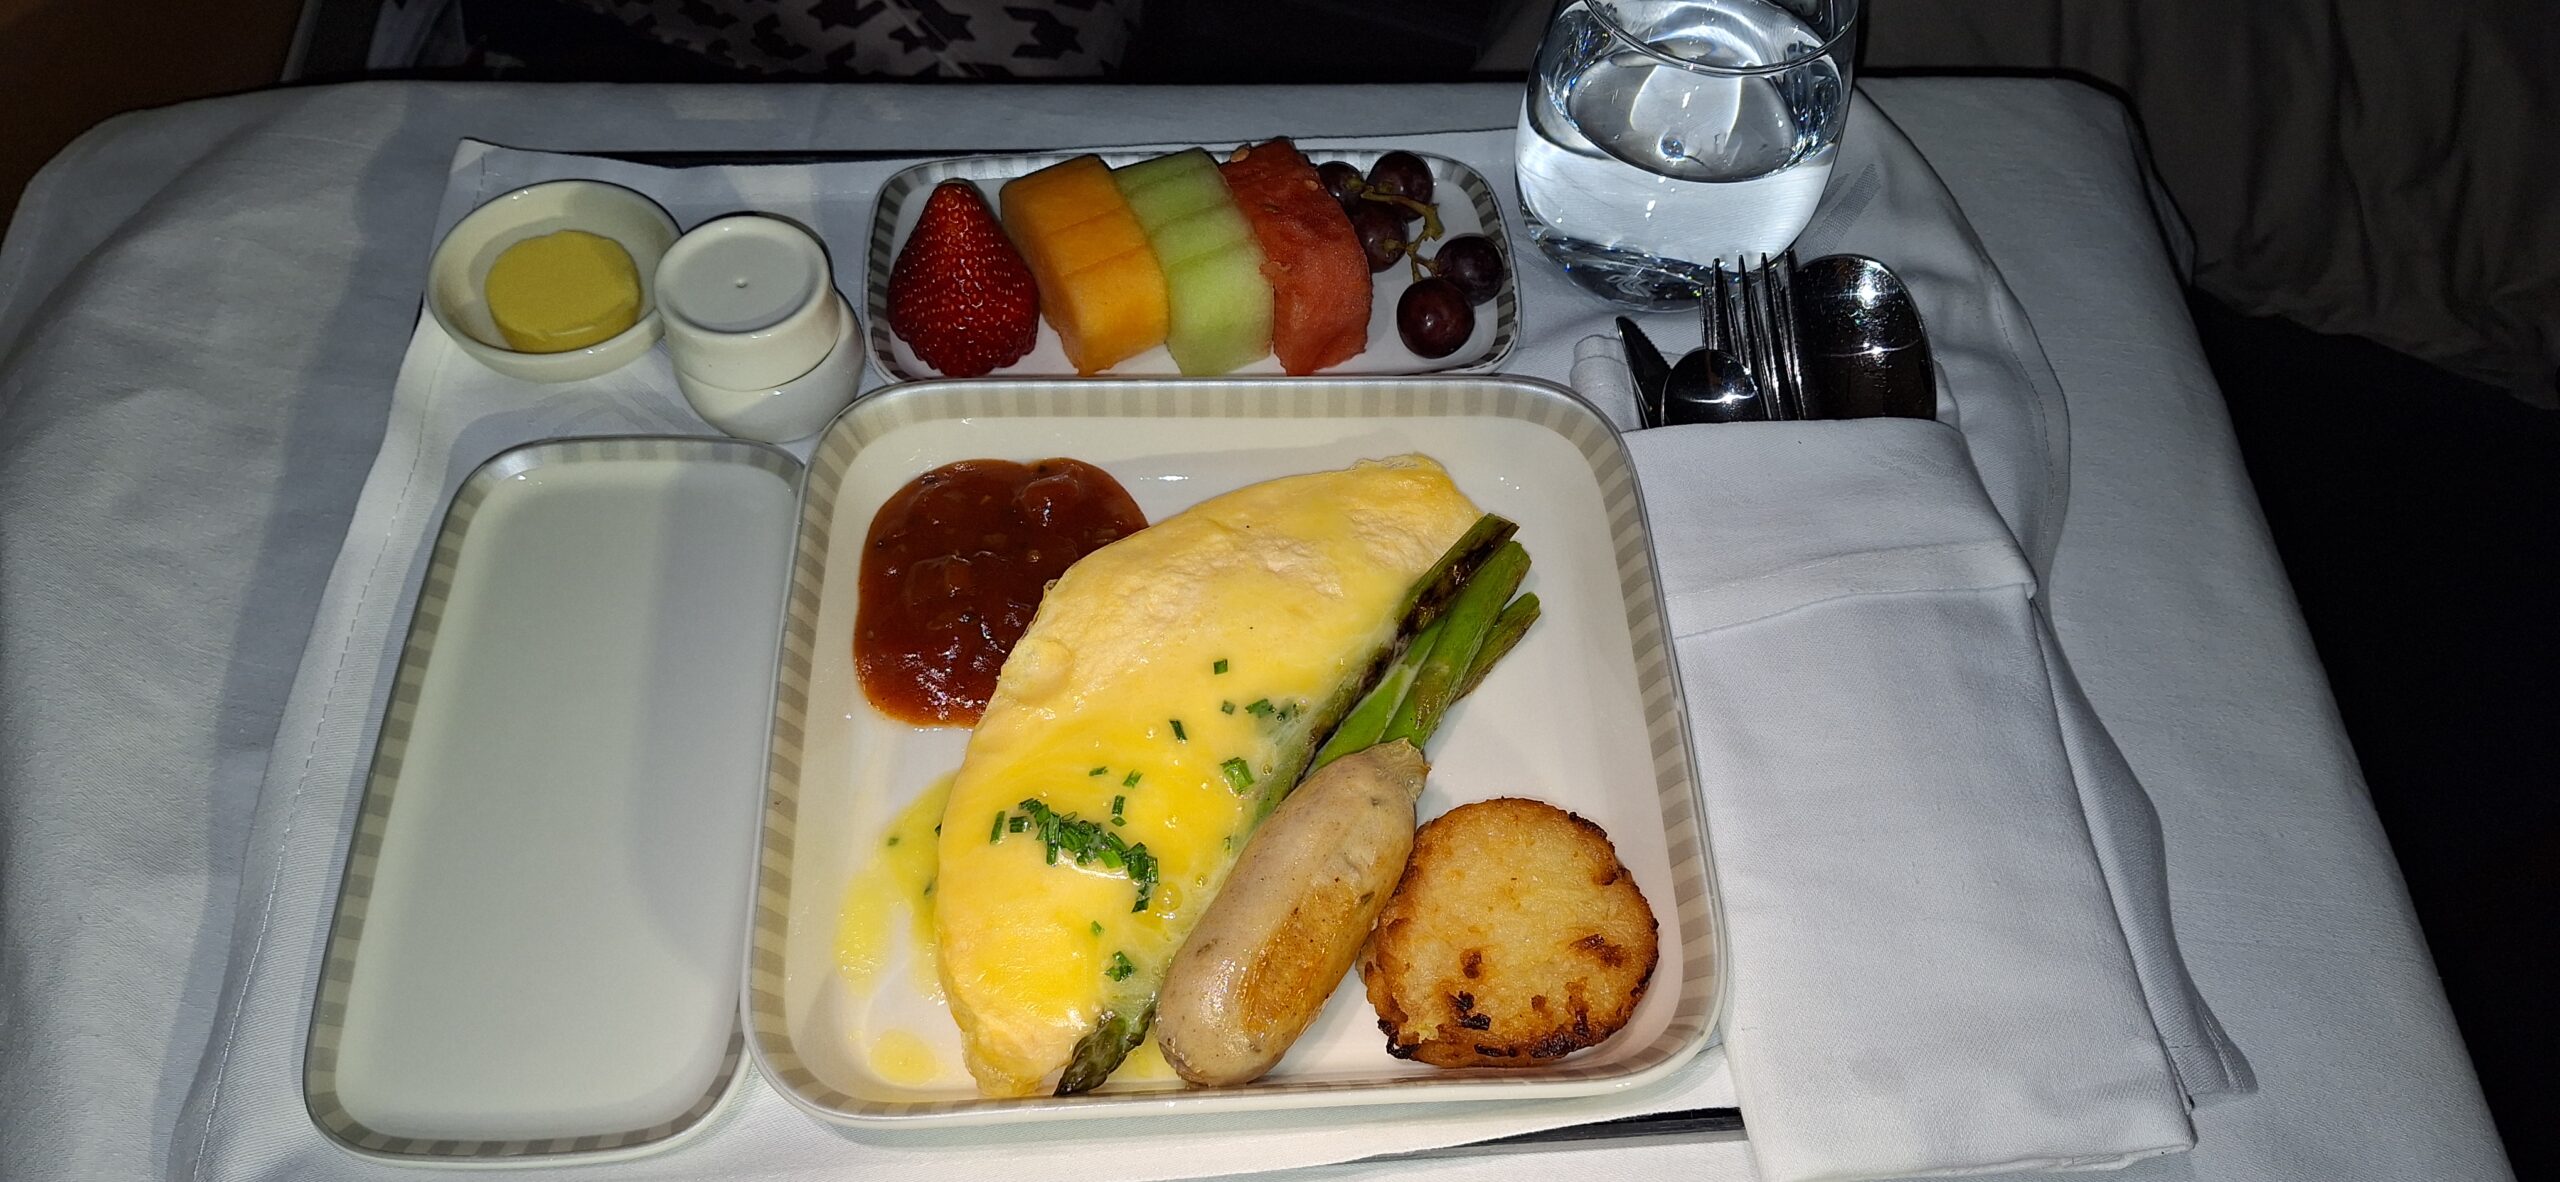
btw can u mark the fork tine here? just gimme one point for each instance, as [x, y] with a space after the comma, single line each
[1777, 347]
[1711, 309]
[1729, 312]
[1755, 335]
[1779, 341]
[1782, 296]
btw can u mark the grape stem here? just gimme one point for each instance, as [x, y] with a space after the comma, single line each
[1431, 227]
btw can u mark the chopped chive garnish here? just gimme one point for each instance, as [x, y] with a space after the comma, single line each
[1261, 708]
[1131, 781]
[1226, 707]
[1018, 824]
[1239, 774]
[996, 834]
[1220, 666]
[1097, 771]
[1142, 871]
[1087, 842]
[1118, 805]
[1178, 736]
[1097, 927]
[1120, 967]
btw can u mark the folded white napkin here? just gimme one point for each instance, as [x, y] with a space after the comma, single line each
[1932, 971]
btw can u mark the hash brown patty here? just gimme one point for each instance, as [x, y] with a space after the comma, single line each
[1515, 937]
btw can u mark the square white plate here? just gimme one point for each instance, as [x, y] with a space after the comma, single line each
[531, 956]
[1584, 714]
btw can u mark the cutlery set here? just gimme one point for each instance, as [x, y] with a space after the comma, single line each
[1835, 338]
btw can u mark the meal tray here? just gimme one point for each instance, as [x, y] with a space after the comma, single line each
[1586, 713]
[1466, 206]
[533, 956]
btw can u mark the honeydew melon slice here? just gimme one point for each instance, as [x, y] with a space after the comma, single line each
[1170, 187]
[1221, 310]
[1220, 305]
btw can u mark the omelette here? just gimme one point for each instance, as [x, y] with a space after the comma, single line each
[1167, 694]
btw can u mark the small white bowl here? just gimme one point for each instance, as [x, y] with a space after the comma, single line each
[460, 270]
[790, 410]
[748, 300]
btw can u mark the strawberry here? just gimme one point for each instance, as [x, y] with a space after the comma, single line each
[960, 295]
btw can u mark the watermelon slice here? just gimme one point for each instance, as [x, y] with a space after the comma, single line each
[1319, 275]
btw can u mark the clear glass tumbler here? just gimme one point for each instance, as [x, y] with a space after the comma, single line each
[1659, 136]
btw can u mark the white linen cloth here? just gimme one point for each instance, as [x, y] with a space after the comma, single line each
[202, 310]
[449, 414]
[1928, 974]
[1860, 651]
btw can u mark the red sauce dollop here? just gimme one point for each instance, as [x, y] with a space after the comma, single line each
[954, 568]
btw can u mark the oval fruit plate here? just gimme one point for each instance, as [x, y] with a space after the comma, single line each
[1465, 205]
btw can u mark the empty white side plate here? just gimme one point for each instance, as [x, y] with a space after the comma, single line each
[535, 948]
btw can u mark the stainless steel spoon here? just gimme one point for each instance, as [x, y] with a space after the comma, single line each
[1865, 352]
[1711, 386]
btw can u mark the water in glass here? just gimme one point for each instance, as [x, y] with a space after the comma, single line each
[1658, 137]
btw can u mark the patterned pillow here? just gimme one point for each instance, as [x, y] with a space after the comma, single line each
[904, 38]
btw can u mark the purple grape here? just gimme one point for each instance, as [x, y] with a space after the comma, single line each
[1342, 179]
[1473, 263]
[1381, 233]
[1402, 174]
[1433, 318]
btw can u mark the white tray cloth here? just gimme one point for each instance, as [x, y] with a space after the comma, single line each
[449, 413]
[199, 309]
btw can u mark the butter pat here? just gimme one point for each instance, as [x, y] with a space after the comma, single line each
[561, 291]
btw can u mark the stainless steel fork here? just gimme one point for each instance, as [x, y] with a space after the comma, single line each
[1750, 313]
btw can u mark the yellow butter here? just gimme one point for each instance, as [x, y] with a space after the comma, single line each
[561, 291]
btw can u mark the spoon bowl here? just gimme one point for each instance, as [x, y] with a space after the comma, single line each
[1861, 339]
[1711, 386]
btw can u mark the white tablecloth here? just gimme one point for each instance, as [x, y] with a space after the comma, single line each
[201, 311]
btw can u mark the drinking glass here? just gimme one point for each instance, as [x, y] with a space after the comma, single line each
[1660, 136]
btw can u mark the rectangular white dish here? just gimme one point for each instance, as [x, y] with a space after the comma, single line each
[1585, 714]
[1466, 205]
[533, 955]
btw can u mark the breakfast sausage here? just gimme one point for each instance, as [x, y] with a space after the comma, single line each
[1291, 919]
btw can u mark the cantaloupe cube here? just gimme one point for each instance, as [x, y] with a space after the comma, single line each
[1109, 312]
[1100, 285]
[1059, 196]
[1097, 240]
